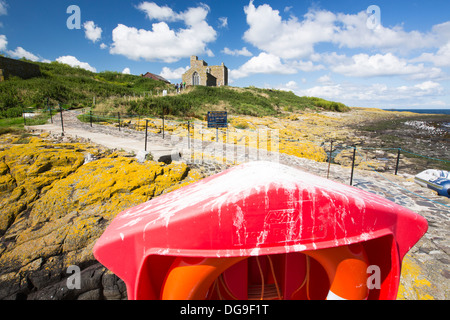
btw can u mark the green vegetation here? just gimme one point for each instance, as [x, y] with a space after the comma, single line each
[329, 105]
[76, 88]
[249, 101]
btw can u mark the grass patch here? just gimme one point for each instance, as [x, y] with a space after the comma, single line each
[115, 92]
[249, 101]
[76, 87]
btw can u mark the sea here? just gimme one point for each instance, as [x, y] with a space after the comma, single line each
[445, 125]
[428, 111]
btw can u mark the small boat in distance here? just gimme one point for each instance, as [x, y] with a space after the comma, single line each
[437, 180]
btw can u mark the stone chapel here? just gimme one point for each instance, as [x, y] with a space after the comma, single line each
[200, 74]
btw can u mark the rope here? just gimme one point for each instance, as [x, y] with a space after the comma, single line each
[403, 188]
[226, 288]
[262, 278]
[305, 281]
[369, 148]
[274, 278]
[263, 295]
[435, 159]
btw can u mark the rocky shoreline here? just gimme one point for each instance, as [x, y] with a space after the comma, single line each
[50, 224]
[56, 199]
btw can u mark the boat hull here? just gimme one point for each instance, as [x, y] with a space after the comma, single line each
[436, 180]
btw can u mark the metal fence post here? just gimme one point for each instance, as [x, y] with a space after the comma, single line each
[398, 160]
[118, 117]
[353, 165]
[62, 121]
[163, 123]
[90, 117]
[329, 159]
[189, 135]
[146, 133]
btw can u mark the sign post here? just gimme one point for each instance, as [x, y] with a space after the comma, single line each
[217, 119]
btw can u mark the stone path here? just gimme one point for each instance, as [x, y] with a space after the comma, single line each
[110, 137]
[427, 272]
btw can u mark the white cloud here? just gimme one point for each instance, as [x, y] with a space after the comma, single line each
[363, 65]
[74, 62]
[429, 87]
[209, 53]
[170, 74]
[126, 71]
[243, 52]
[92, 32]
[155, 12]
[3, 42]
[162, 43]
[3, 10]
[191, 16]
[103, 46]
[290, 86]
[22, 53]
[286, 39]
[440, 59]
[306, 66]
[264, 63]
[353, 33]
[376, 95]
[325, 80]
[296, 38]
[19, 53]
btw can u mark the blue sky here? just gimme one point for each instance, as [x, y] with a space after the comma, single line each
[395, 55]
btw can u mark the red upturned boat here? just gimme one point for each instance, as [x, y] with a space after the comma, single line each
[261, 230]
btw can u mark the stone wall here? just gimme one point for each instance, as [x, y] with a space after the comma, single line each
[211, 76]
[221, 74]
[17, 68]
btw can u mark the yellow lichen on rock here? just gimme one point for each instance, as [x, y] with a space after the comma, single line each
[413, 285]
[62, 210]
[305, 149]
[30, 166]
